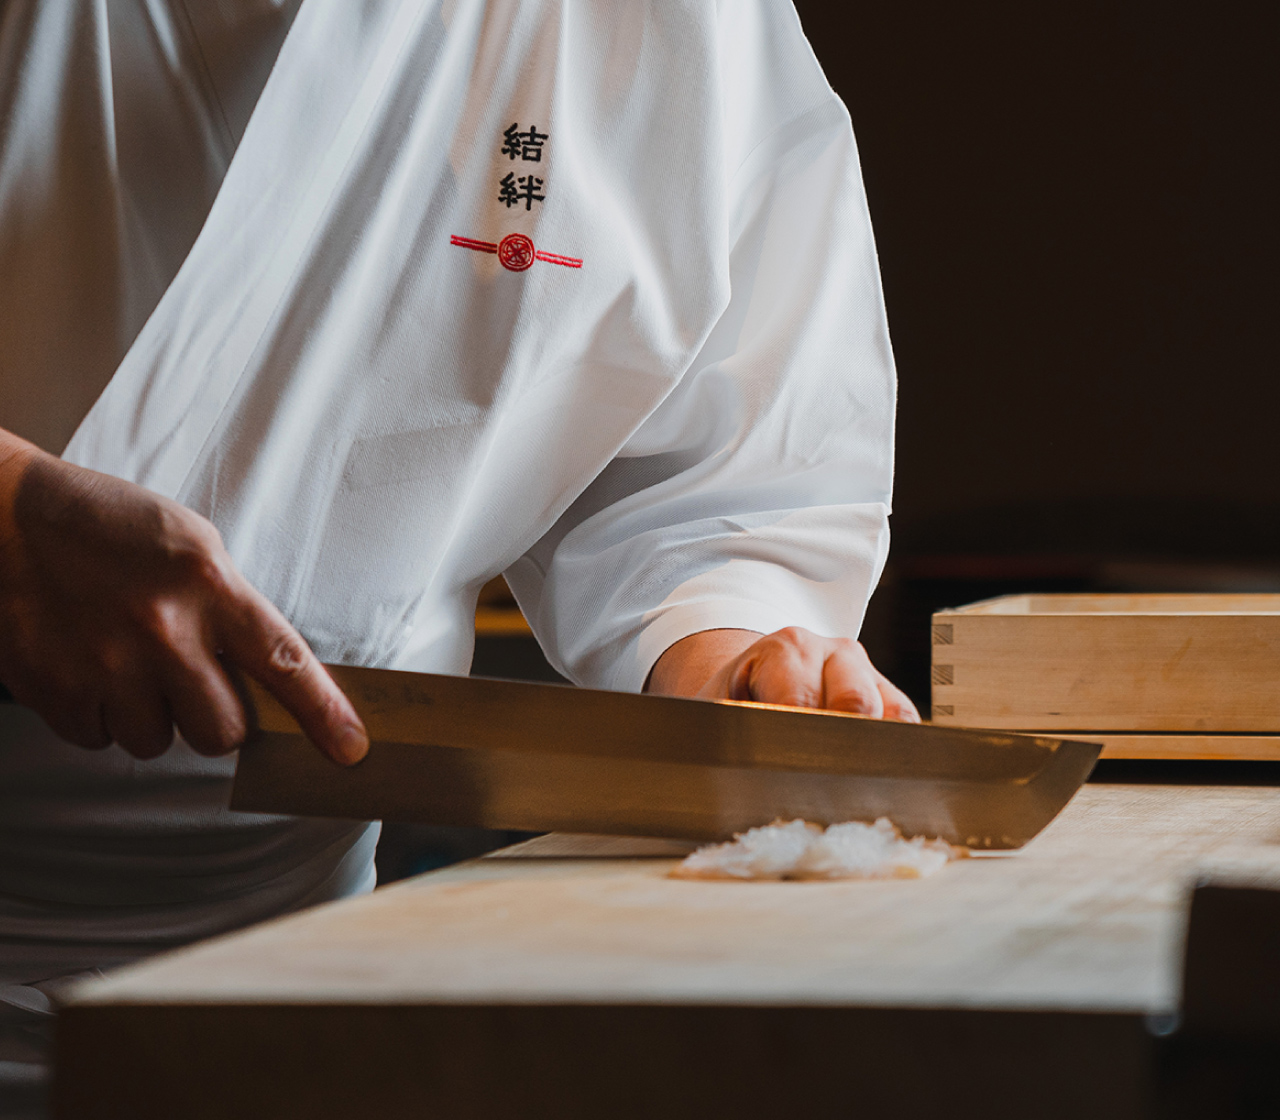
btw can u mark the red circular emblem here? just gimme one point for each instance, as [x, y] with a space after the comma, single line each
[515, 251]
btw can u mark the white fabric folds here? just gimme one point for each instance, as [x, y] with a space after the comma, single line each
[381, 409]
[578, 290]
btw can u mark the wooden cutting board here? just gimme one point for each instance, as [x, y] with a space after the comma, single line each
[572, 978]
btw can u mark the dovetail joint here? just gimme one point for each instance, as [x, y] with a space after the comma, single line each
[943, 634]
[944, 674]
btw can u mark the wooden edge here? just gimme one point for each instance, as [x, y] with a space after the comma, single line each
[1243, 747]
[501, 622]
[582, 1062]
[1120, 605]
[980, 607]
[1251, 748]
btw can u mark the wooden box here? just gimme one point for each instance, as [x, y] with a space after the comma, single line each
[1151, 676]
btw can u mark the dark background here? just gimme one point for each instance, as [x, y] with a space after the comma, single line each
[1076, 212]
[1075, 208]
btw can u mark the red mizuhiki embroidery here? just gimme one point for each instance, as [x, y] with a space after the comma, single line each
[516, 252]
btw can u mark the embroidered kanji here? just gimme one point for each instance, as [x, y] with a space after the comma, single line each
[524, 145]
[513, 191]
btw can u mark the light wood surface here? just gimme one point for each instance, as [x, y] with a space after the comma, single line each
[1241, 748]
[1199, 664]
[1191, 604]
[1086, 916]
[570, 977]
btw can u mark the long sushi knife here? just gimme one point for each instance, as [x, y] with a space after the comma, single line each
[514, 755]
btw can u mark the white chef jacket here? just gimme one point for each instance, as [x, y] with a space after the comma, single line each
[689, 429]
[578, 291]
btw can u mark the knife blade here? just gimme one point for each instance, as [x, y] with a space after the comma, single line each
[542, 757]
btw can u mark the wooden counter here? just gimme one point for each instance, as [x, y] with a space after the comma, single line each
[570, 977]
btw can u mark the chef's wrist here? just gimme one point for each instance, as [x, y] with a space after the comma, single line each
[686, 666]
[16, 456]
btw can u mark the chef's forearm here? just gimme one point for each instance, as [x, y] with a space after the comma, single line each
[686, 667]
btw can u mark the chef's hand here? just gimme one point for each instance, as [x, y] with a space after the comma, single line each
[120, 609]
[792, 666]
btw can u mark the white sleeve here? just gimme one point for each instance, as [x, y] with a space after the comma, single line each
[757, 495]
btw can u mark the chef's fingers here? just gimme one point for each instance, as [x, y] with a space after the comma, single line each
[137, 717]
[798, 668]
[257, 638]
[58, 696]
[76, 721]
[850, 681]
[204, 703]
[784, 668]
[897, 704]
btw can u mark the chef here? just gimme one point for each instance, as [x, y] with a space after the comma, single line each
[316, 316]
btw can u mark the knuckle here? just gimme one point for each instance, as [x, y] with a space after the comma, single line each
[207, 532]
[288, 656]
[853, 692]
[794, 694]
[179, 524]
[773, 647]
[112, 660]
[204, 570]
[160, 618]
[797, 637]
[788, 636]
[193, 548]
